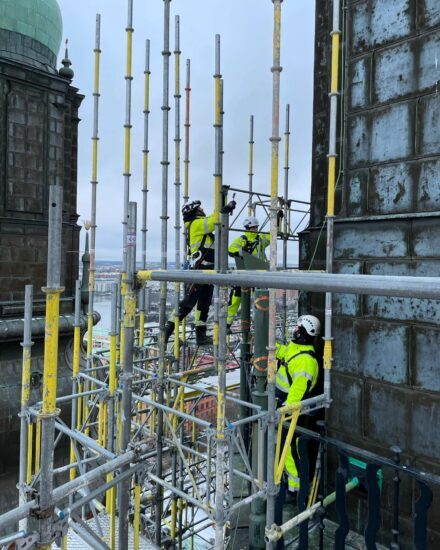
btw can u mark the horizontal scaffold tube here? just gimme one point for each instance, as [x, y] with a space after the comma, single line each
[379, 285]
[60, 493]
[277, 532]
[86, 441]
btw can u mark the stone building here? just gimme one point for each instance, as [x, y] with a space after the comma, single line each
[386, 377]
[38, 147]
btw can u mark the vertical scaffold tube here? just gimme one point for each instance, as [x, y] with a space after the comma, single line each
[217, 187]
[221, 244]
[272, 365]
[177, 228]
[332, 155]
[186, 162]
[112, 377]
[145, 152]
[259, 397]
[75, 371]
[94, 185]
[137, 515]
[25, 442]
[127, 128]
[285, 212]
[163, 264]
[251, 164]
[245, 358]
[126, 377]
[187, 127]
[49, 411]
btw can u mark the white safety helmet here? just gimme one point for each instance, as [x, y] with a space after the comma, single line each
[310, 323]
[251, 222]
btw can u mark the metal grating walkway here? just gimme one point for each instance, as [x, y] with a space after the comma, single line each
[75, 542]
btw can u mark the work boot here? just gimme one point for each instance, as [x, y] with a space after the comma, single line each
[169, 329]
[202, 339]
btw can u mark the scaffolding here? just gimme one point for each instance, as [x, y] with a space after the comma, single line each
[146, 469]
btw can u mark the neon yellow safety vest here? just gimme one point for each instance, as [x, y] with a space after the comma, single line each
[201, 236]
[250, 242]
[298, 371]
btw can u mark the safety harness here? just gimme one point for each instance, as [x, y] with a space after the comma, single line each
[286, 362]
[250, 246]
[203, 254]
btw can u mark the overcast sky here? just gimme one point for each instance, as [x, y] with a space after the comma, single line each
[246, 28]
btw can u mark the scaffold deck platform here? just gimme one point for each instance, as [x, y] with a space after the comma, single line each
[75, 542]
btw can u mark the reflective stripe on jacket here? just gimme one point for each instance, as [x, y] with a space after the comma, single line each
[250, 242]
[298, 371]
[199, 229]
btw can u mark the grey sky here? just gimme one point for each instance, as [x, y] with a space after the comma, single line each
[246, 28]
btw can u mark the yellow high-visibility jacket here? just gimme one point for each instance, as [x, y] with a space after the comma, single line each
[298, 371]
[250, 242]
[200, 233]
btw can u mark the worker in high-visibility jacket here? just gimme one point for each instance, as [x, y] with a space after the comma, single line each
[200, 251]
[296, 377]
[253, 243]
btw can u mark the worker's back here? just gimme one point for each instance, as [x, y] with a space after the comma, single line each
[298, 371]
[201, 238]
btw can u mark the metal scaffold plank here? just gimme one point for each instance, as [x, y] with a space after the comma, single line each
[75, 542]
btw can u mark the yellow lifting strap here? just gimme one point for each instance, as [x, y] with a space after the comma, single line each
[315, 482]
[280, 462]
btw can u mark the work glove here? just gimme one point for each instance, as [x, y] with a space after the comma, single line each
[280, 216]
[229, 208]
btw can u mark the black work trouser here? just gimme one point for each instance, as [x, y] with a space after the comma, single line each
[199, 296]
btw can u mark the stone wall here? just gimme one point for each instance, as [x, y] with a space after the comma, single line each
[386, 381]
[38, 136]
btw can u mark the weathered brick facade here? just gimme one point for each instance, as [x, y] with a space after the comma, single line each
[38, 147]
[38, 129]
[386, 376]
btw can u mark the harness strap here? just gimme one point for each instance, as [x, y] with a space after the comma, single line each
[249, 247]
[286, 362]
[188, 239]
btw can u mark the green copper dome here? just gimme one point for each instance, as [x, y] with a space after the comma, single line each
[30, 31]
[38, 19]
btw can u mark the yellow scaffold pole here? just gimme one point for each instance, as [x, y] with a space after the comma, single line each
[332, 155]
[50, 376]
[76, 414]
[217, 177]
[127, 167]
[281, 461]
[37, 446]
[25, 433]
[272, 363]
[137, 515]
[111, 493]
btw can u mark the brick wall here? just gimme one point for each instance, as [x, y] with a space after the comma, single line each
[386, 379]
[38, 129]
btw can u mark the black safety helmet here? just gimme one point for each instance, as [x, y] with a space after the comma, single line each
[190, 211]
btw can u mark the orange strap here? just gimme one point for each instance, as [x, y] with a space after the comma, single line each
[257, 360]
[261, 299]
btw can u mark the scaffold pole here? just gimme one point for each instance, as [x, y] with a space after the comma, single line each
[164, 254]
